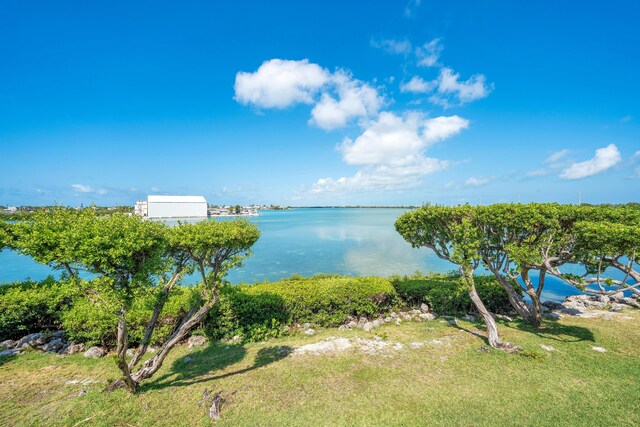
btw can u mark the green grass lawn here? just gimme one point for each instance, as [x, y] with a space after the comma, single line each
[452, 383]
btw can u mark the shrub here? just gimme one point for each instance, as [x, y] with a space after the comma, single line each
[446, 294]
[261, 310]
[93, 322]
[27, 307]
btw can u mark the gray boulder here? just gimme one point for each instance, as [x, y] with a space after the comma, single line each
[73, 348]
[628, 301]
[469, 318]
[352, 324]
[415, 312]
[427, 316]
[11, 352]
[424, 308]
[368, 326]
[376, 323]
[388, 319]
[7, 344]
[306, 326]
[196, 341]
[95, 353]
[54, 345]
[616, 307]
[31, 340]
[310, 332]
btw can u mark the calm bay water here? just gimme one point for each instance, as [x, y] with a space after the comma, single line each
[309, 241]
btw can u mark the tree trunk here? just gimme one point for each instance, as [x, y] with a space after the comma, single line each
[492, 328]
[151, 366]
[535, 317]
[515, 299]
[632, 273]
[121, 354]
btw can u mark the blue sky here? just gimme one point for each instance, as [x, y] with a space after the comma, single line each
[314, 103]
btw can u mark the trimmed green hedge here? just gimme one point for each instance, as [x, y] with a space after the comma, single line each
[27, 307]
[446, 294]
[259, 311]
[254, 312]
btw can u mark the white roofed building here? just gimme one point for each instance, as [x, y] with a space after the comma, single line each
[176, 207]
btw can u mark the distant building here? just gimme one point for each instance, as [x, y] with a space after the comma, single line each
[172, 207]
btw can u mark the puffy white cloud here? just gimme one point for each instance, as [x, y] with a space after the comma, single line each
[418, 85]
[476, 181]
[605, 158]
[453, 91]
[338, 97]
[393, 138]
[354, 99]
[428, 54]
[280, 83]
[410, 8]
[391, 152]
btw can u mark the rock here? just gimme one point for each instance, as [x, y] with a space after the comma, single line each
[95, 353]
[236, 338]
[553, 316]
[599, 349]
[603, 299]
[343, 328]
[607, 316]
[11, 352]
[505, 318]
[310, 332]
[547, 347]
[628, 301]
[188, 359]
[398, 322]
[82, 392]
[362, 321]
[197, 341]
[447, 317]
[54, 345]
[617, 308]
[31, 340]
[424, 308]
[73, 348]
[388, 319]
[352, 324]
[7, 344]
[415, 312]
[469, 318]
[553, 305]
[453, 322]
[398, 346]
[618, 296]
[376, 323]
[435, 342]
[427, 316]
[368, 326]
[405, 316]
[414, 345]
[130, 352]
[306, 326]
[393, 315]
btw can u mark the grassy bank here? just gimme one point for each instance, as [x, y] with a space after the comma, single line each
[450, 380]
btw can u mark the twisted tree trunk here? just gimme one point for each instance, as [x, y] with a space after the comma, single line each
[492, 328]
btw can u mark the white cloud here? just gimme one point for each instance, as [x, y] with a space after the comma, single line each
[337, 97]
[536, 172]
[402, 47]
[81, 188]
[281, 83]
[428, 54]
[476, 182]
[558, 155]
[410, 8]
[605, 158]
[452, 91]
[355, 99]
[155, 189]
[390, 151]
[418, 85]
[626, 119]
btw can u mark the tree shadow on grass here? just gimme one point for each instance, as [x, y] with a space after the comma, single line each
[7, 358]
[553, 330]
[214, 357]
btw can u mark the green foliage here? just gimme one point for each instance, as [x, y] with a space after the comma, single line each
[93, 321]
[27, 307]
[448, 293]
[253, 310]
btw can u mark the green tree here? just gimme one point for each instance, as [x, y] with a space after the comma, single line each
[129, 257]
[451, 233]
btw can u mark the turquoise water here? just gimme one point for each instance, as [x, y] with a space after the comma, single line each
[309, 241]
